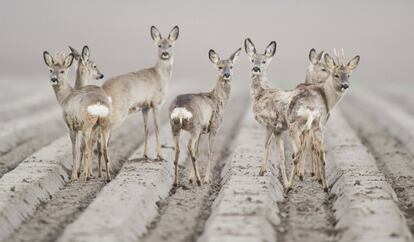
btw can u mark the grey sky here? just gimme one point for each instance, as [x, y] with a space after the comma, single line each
[118, 34]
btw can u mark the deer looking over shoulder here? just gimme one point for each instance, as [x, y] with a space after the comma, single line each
[86, 68]
[202, 113]
[145, 89]
[84, 111]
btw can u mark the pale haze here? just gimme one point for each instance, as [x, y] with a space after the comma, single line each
[117, 32]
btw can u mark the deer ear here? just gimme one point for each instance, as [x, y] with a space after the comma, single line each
[320, 55]
[235, 55]
[313, 56]
[75, 53]
[329, 61]
[174, 33]
[352, 64]
[48, 59]
[214, 58]
[155, 34]
[249, 47]
[270, 49]
[68, 61]
[85, 53]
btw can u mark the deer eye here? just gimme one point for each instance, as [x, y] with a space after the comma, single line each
[252, 61]
[94, 66]
[62, 71]
[169, 46]
[50, 71]
[263, 62]
[231, 67]
[323, 69]
[336, 75]
[159, 46]
[220, 67]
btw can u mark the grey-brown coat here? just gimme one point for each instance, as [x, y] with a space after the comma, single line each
[202, 113]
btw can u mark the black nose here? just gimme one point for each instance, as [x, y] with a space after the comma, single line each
[165, 53]
[101, 76]
[54, 79]
[345, 86]
[256, 69]
[227, 75]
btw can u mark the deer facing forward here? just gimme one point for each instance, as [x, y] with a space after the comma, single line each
[145, 89]
[201, 113]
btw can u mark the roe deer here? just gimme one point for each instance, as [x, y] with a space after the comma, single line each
[145, 89]
[84, 110]
[309, 109]
[86, 68]
[201, 113]
[270, 105]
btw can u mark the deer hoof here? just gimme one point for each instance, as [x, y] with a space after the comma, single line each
[199, 183]
[325, 189]
[312, 174]
[262, 172]
[301, 177]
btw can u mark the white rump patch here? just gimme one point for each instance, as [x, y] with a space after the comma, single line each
[98, 110]
[181, 113]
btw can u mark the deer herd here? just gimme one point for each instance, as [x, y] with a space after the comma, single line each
[91, 112]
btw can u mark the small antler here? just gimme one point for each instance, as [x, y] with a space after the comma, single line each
[343, 56]
[337, 57]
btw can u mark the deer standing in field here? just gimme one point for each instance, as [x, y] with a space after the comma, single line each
[317, 72]
[84, 110]
[201, 113]
[308, 111]
[145, 89]
[270, 105]
[86, 70]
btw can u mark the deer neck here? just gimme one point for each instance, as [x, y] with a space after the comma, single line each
[164, 68]
[83, 76]
[221, 92]
[62, 91]
[256, 86]
[333, 96]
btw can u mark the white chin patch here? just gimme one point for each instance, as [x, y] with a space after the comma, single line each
[54, 83]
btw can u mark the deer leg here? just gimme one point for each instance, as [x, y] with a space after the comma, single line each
[210, 158]
[281, 150]
[155, 115]
[145, 116]
[197, 149]
[99, 147]
[176, 137]
[191, 146]
[76, 152]
[298, 153]
[88, 153]
[320, 152]
[268, 135]
[105, 141]
[72, 134]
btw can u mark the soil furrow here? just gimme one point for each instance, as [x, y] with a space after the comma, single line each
[30, 141]
[306, 213]
[184, 213]
[68, 203]
[65, 206]
[392, 157]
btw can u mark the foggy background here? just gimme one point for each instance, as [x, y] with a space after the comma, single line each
[117, 32]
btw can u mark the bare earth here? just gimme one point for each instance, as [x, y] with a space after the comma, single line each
[370, 173]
